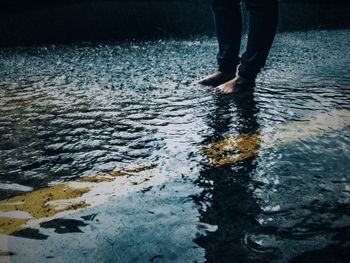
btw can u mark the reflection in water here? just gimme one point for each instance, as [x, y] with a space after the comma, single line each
[227, 199]
[275, 172]
[17, 213]
[262, 187]
[233, 149]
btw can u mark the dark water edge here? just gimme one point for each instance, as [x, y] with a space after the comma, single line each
[44, 22]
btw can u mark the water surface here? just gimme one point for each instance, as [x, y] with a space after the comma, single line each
[187, 175]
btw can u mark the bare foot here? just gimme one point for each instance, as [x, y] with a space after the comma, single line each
[217, 78]
[235, 85]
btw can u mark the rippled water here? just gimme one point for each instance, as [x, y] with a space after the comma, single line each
[70, 112]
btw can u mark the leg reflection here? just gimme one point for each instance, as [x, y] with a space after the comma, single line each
[226, 200]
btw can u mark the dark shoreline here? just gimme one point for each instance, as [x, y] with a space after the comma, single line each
[28, 22]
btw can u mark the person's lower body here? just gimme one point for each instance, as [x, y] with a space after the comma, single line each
[263, 20]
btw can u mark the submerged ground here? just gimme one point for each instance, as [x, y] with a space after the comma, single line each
[110, 153]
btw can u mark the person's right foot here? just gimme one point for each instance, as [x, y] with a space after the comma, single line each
[216, 79]
[236, 85]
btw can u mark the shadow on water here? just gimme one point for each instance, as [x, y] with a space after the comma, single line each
[230, 203]
[226, 200]
[60, 226]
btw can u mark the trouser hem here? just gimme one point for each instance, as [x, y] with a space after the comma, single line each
[247, 74]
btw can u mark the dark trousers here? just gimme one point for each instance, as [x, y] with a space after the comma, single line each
[263, 20]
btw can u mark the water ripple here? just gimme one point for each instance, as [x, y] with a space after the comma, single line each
[273, 168]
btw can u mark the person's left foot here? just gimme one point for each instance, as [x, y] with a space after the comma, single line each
[216, 79]
[238, 84]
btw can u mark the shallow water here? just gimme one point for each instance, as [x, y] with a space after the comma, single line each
[260, 177]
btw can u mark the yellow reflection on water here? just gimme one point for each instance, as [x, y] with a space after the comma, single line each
[44, 204]
[38, 204]
[233, 149]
